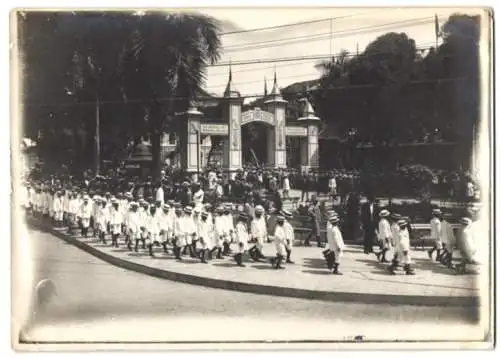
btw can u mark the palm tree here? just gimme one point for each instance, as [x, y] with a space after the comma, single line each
[163, 66]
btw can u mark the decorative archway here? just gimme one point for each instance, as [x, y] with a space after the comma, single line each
[272, 116]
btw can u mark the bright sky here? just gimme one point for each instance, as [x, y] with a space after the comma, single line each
[353, 26]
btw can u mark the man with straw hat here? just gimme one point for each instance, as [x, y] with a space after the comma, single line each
[242, 238]
[219, 231]
[384, 235]
[290, 235]
[436, 234]
[279, 242]
[258, 229]
[335, 245]
[467, 249]
[205, 236]
[403, 248]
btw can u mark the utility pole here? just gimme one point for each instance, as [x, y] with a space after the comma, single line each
[97, 137]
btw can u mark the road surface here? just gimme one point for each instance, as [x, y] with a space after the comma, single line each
[96, 301]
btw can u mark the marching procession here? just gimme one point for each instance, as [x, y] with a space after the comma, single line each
[199, 229]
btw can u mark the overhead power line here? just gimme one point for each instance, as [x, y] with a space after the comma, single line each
[297, 23]
[249, 96]
[325, 35]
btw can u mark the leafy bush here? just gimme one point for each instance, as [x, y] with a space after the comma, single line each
[418, 178]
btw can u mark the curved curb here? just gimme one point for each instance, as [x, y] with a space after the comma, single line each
[352, 297]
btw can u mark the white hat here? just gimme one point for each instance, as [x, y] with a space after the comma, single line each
[334, 219]
[383, 213]
[259, 209]
[197, 209]
[465, 221]
[436, 211]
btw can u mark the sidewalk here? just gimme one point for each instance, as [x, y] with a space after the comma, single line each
[364, 280]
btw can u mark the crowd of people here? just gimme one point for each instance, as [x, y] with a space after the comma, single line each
[195, 216]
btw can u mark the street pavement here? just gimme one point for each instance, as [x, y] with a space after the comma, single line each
[99, 302]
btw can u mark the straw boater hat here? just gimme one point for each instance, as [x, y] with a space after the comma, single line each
[280, 217]
[465, 221]
[166, 206]
[259, 209]
[219, 209]
[333, 219]
[242, 216]
[188, 209]
[287, 214]
[197, 209]
[178, 207]
[436, 211]
[396, 216]
[134, 204]
[204, 214]
[384, 213]
[402, 222]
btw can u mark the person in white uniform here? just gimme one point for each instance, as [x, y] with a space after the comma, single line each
[436, 234]
[134, 225]
[290, 235]
[258, 230]
[384, 235]
[198, 196]
[403, 248]
[189, 231]
[286, 187]
[196, 220]
[74, 206]
[205, 235]
[242, 238]
[279, 242]
[58, 209]
[395, 217]
[115, 221]
[153, 227]
[220, 231]
[179, 237]
[448, 240]
[335, 245]
[467, 248]
[229, 230]
[166, 227]
[85, 214]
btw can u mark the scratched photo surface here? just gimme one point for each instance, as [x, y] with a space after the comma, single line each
[251, 175]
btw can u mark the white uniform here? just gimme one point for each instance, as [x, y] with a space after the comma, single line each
[85, 214]
[159, 196]
[188, 228]
[258, 229]
[198, 198]
[134, 225]
[166, 225]
[220, 230]
[205, 233]
[286, 184]
[153, 227]
[116, 220]
[229, 224]
[279, 239]
[178, 231]
[395, 239]
[102, 214]
[335, 242]
[436, 232]
[57, 208]
[143, 220]
[241, 237]
[404, 246]
[384, 233]
[290, 235]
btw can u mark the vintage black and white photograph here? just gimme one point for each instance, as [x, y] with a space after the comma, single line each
[219, 176]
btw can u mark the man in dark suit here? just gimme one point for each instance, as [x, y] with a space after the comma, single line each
[369, 213]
